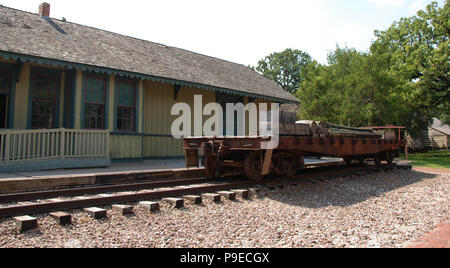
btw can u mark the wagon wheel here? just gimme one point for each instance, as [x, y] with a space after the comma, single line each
[288, 166]
[252, 167]
[210, 164]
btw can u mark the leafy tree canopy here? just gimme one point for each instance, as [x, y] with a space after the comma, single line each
[285, 68]
[417, 52]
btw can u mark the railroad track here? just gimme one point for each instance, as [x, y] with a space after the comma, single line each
[206, 186]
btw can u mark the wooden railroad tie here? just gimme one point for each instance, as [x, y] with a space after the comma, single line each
[242, 193]
[213, 197]
[152, 206]
[26, 223]
[123, 209]
[96, 213]
[193, 198]
[228, 195]
[62, 218]
[176, 202]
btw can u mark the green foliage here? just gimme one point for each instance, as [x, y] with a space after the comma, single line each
[353, 89]
[417, 52]
[285, 68]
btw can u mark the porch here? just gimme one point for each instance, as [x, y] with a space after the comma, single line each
[44, 149]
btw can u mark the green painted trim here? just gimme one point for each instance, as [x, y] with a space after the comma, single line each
[85, 67]
[127, 160]
[127, 134]
[164, 158]
[58, 97]
[141, 134]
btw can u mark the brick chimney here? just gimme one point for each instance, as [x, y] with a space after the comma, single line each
[44, 9]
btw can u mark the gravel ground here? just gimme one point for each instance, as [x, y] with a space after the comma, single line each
[376, 210]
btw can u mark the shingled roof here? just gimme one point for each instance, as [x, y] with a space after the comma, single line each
[28, 34]
[440, 126]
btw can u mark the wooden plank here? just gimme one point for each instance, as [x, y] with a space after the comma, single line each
[267, 162]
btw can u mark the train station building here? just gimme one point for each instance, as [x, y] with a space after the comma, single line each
[75, 96]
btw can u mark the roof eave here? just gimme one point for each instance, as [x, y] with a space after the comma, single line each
[99, 69]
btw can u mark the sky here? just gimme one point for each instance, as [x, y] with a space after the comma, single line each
[241, 31]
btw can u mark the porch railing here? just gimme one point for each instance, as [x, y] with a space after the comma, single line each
[48, 144]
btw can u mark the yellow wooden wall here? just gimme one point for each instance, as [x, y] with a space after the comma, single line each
[158, 101]
[153, 138]
[126, 146]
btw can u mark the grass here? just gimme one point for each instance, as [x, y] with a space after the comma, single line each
[431, 159]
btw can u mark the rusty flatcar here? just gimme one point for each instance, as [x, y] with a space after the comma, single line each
[220, 154]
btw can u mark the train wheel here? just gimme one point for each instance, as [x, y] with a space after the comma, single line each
[210, 164]
[377, 160]
[288, 166]
[348, 160]
[252, 167]
[300, 162]
[389, 157]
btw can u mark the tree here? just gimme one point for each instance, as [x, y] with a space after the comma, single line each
[353, 89]
[417, 52]
[285, 68]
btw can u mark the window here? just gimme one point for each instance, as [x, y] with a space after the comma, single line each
[95, 100]
[4, 81]
[126, 106]
[45, 86]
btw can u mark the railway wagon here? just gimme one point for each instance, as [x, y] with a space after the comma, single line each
[220, 154]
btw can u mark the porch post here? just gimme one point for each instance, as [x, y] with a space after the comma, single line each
[7, 145]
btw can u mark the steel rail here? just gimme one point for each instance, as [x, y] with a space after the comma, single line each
[158, 194]
[36, 195]
[26, 196]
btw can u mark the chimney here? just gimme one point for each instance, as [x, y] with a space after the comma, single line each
[44, 9]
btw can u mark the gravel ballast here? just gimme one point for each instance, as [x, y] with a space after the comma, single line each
[376, 210]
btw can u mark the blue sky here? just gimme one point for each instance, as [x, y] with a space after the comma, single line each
[241, 31]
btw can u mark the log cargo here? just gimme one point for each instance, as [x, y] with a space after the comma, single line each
[333, 130]
[310, 123]
[295, 130]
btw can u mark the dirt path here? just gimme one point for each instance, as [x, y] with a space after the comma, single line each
[432, 170]
[438, 238]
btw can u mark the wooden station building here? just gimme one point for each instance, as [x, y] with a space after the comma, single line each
[76, 96]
